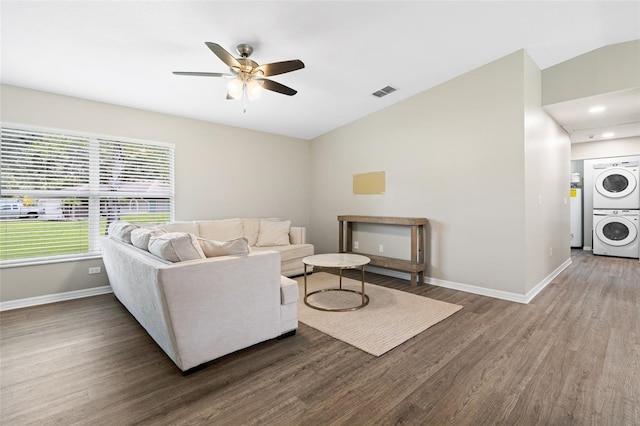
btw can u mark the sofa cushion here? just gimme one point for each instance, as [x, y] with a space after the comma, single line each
[220, 230]
[140, 237]
[212, 248]
[251, 227]
[273, 233]
[290, 252]
[121, 230]
[176, 246]
[189, 227]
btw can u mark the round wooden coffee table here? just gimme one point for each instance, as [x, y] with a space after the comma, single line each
[338, 261]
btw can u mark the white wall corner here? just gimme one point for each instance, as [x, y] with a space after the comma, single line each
[546, 281]
[52, 298]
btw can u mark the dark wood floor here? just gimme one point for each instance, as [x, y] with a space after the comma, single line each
[572, 356]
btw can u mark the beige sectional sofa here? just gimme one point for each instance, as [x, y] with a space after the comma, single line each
[199, 308]
[274, 234]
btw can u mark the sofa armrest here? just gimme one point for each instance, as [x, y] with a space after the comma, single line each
[298, 235]
[219, 305]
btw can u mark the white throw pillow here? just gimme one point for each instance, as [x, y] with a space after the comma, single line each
[140, 237]
[220, 230]
[121, 230]
[212, 248]
[273, 233]
[176, 246]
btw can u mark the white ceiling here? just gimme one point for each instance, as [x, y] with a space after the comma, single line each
[124, 52]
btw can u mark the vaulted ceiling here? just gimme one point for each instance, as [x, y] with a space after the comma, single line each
[124, 52]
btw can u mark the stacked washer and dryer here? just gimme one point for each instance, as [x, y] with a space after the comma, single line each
[616, 209]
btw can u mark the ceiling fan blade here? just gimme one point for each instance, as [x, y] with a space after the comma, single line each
[224, 56]
[274, 86]
[203, 74]
[276, 68]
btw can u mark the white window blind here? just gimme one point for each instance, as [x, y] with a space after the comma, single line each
[60, 191]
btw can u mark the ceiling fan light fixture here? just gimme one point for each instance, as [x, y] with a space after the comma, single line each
[235, 88]
[254, 89]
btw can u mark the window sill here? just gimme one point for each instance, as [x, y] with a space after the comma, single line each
[42, 261]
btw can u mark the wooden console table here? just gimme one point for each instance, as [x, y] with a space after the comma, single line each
[415, 266]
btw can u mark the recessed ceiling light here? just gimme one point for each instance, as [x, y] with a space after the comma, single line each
[596, 109]
[608, 135]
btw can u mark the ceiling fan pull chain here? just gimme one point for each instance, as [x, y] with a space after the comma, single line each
[244, 97]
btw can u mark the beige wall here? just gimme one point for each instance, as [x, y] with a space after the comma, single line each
[547, 168]
[455, 155]
[608, 69]
[221, 172]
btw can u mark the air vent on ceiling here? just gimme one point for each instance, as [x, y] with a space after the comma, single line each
[384, 91]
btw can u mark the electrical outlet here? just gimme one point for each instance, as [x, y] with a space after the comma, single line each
[550, 251]
[380, 248]
[95, 270]
[355, 245]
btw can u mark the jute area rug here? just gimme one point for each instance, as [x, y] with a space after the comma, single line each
[390, 318]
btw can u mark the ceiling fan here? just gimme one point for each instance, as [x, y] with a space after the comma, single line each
[247, 76]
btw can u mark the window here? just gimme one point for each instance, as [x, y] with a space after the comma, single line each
[59, 191]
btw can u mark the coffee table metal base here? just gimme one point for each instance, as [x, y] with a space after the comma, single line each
[365, 298]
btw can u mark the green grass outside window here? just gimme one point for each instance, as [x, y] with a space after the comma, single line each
[25, 239]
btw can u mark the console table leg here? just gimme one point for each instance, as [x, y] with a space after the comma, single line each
[362, 291]
[305, 282]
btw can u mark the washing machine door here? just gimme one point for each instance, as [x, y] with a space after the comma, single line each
[616, 231]
[615, 183]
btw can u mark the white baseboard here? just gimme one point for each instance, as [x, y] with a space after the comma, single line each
[51, 298]
[482, 291]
